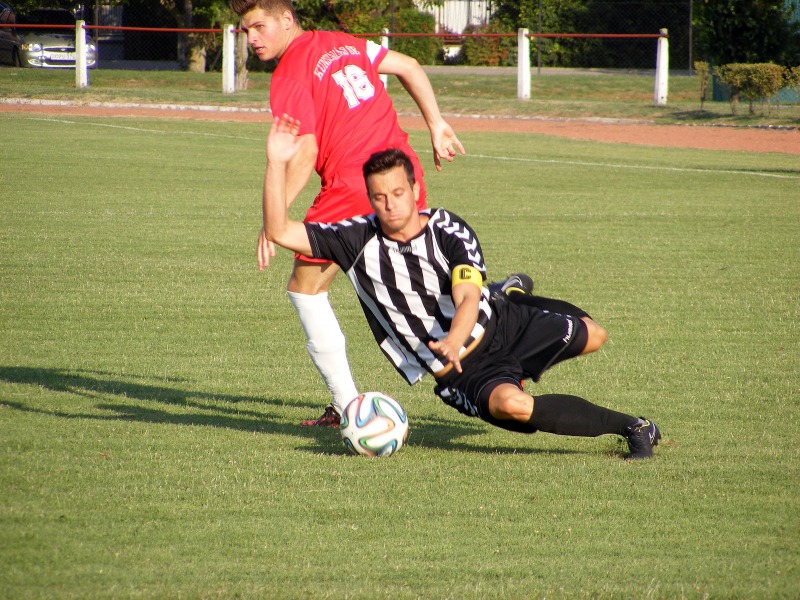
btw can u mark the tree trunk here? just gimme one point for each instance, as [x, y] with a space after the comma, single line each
[183, 38]
[197, 55]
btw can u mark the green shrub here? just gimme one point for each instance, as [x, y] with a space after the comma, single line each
[489, 51]
[752, 82]
[374, 16]
[424, 49]
[791, 78]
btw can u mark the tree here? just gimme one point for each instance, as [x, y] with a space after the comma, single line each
[373, 16]
[197, 14]
[557, 16]
[206, 14]
[599, 16]
[748, 31]
[316, 14]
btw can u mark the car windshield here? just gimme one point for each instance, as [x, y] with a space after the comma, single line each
[48, 17]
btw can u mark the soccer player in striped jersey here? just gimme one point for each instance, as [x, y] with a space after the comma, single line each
[331, 82]
[419, 276]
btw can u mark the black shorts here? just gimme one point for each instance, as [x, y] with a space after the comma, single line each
[524, 342]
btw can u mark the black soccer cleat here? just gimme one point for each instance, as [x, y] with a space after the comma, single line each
[518, 283]
[330, 418]
[642, 437]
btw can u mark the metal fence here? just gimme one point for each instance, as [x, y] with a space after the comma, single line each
[168, 50]
[135, 35]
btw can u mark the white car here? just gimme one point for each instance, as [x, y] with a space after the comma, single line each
[51, 48]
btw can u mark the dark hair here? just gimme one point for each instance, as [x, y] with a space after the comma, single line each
[385, 160]
[271, 7]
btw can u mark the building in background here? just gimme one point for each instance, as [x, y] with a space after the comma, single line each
[456, 15]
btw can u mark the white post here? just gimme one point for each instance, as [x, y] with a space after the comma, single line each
[523, 65]
[385, 44]
[662, 69]
[228, 59]
[81, 66]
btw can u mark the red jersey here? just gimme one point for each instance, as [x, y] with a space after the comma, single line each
[329, 81]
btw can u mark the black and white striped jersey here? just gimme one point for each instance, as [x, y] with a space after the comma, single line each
[405, 288]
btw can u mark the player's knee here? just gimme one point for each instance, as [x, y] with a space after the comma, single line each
[597, 336]
[311, 278]
[509, 402]
[307, 285]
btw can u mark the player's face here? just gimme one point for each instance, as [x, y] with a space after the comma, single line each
[394, 201]
[267, 35]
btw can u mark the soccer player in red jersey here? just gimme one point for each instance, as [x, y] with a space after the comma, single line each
[330, 81]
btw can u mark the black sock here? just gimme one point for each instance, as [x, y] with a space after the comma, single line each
[570, 415]
[561, 307]
[511, 425]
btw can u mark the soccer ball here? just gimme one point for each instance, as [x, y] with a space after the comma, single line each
[374, 424]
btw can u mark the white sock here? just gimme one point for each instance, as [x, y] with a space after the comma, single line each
[326, 345]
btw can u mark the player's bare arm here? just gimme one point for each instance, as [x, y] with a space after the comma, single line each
[301, 167]
[298, 172]
[466, 298]
[444, 141]
[282, 145]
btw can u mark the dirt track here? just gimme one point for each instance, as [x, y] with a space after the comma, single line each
[702, 137]
[709, 138]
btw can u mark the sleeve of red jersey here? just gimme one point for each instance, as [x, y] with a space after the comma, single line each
[288, 97]
[376, 53]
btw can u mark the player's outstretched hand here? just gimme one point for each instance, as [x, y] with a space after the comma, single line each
[282, 141]
[446, 351]
[445, 143]
[265, 250]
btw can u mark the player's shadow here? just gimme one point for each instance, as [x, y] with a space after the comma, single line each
[213, 410]
[435, 432]
[121, 398]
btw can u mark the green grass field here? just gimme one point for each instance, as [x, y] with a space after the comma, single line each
[152, 381]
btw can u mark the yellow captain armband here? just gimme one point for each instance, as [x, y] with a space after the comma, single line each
[467, 274]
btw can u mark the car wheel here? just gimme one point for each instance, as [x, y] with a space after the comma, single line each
[15, 60]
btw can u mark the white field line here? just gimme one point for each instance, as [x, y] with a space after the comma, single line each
[624, 166]
[483, 156]
[142, 129]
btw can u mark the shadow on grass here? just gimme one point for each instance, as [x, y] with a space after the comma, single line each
[726, 118]
[699, 117]
[214, 410]
[93, 383]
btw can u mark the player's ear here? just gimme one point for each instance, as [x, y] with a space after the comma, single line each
[416, 191]
[287, 19]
